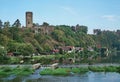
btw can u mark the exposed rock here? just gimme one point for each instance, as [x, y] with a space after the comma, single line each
[22, 61]
[36, 66]
[54, 66]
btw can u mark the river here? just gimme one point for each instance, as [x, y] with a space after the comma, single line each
[88, 77]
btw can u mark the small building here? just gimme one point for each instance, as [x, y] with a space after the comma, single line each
[10, 54]
[78, 49]
[68, 49]
[54, 51]
[90, 49]
[13, 54]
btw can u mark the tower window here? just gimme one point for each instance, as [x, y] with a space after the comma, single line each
[28, 22]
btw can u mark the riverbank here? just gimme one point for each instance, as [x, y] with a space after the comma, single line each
[17, 71]
[63, 70]
[62, 59]
[64, 65]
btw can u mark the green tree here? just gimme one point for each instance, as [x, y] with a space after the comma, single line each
[45, 24]
[26, 49]
[2, 51]
[61, 51]
[97, 31]
[1, 25]
[103, 52]
[12, 46]
[6, 24]
[84, 29]
[4, 40]
[15, 34]
[17, 23]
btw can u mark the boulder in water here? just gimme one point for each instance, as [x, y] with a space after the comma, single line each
[54, 66]
[36, 66]
[22, 61]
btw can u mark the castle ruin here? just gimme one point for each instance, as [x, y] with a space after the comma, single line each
[29, 19]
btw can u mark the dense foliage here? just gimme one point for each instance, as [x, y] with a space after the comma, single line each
[28, 41]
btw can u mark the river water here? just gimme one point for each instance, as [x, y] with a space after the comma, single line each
[88, 77]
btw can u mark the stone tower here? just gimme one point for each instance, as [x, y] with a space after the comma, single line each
[29, 19]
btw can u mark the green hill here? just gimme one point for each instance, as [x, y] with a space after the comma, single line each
[45, 38]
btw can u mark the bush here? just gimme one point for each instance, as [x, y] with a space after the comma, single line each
[4, 60]
[63, 71]
[110, 69]
[96, 69]
[23, 71]
[5, 71]
[118, 69]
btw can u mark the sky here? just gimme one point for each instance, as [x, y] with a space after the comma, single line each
[96, 14]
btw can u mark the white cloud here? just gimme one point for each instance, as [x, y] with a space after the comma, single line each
[69, 10]
[111, 17]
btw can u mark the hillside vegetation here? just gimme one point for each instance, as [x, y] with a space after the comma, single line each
[44, 38]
